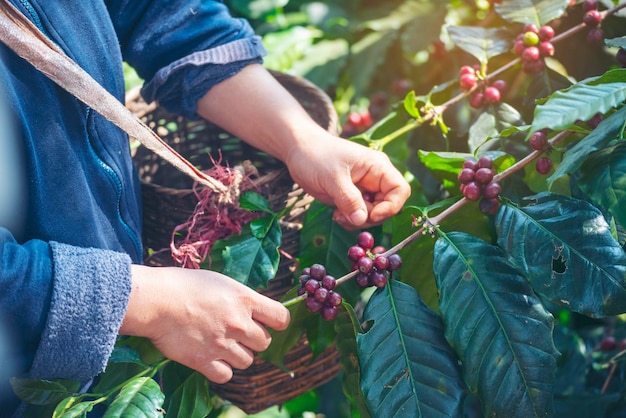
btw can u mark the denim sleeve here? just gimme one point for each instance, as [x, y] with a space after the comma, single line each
[182, 48]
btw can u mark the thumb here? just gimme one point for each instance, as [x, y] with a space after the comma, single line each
[350, 203]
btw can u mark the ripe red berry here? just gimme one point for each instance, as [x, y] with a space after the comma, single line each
[532, 67]
[519, 47]
[484, 175]
[546, 33]
[595, 36]
[590, 5]
[334, 299]
[472, 191]
[489, 206]
[530, 27]
[312, 305]
[329, 312]
[538, 141]
[355, 252]
[471, 164]
[311, 286]
[467, 81]
[492, 95]
[365, 264]
[466, 69]
[485, 161]
[381, 262]
[363, 279]
[492, 190]
[395, 261]
[608, 344]
[355, 119]
[500, 85]
[318, 271]
[379, 279]
[546, 49]
[531, 54]
[329, 282]
[365, 240]
[592, 18]
[543, 165]
[321, 294]
[379, 249]
[477, 100]
[466, 175]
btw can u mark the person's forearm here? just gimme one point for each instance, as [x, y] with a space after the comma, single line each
[254, 106]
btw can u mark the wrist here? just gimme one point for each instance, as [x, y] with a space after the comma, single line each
[143, 303]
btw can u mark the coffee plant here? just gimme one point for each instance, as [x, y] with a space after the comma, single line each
[500, 289]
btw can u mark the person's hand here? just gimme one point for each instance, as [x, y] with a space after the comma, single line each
[362, 183]
[201, 319]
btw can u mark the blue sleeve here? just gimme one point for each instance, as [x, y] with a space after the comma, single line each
[182, 48]
[62, 306]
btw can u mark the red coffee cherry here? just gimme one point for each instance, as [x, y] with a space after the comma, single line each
[546, 33]
[543, 165]
[491, 95]
[477, 100]
[592, 18]
[538, 141]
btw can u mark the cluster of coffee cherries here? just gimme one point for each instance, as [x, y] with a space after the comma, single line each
[374, 269]
[476, 178]
[533, 45]
[539, 142]
[319, 288]
[468, 78]
[592, 19]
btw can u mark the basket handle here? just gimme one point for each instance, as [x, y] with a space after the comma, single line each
[27, 41]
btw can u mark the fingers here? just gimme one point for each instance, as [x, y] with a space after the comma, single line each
[270, 313]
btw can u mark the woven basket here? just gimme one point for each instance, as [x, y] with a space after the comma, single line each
[169, 200]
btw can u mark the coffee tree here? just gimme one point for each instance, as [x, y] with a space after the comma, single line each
[500, 289]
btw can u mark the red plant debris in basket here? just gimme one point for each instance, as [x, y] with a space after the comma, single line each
[213, 218]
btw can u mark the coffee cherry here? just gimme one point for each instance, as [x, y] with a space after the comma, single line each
[306, 271]
[543, 165]
[492, 190]
[471, 164]
[312, 305]
[546, 33]
[329, 282]
[301, 291]
[489, 206]
[590, 5]
[466, 69]
[381, 262]
[378, 278]
[321, 294]
[532, 67]
[467, 81]
[485, 161]
[363, 280]
[500, 85]
[365, 264]
[334, 299]
[304, 278]
[595, 36]
[329, 312]
[365, 240]
[395, 261]
[466, 175]
[472, 191]
[530, 38]
[531, 54]
[546, 49]
[491, 95]
[519, 47]
[379, 249]
[592, 18]
[608, 344]
[538, 141]
[311, 286]
[354, 118]
[355, 252]
[620, 56]
[477, 100]
[530, 27]
[318, 271]
[484, 175]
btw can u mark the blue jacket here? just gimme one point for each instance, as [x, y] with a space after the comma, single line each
[65, 278]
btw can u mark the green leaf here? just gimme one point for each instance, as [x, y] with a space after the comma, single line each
[288, 46]
[69, 409]
[579, 103]
[410, 105]
[125, 354]
[565, 248]
[140, 398]
[603, 179]
[368, 54]
[254, 261]
[483, 129]
[498, 327]
[407, 367]
[323, 62]
[257, 8]
[616, 42]
[424, 28]
[539, 12]
[599, 138]
[192, 399]
[261, 226]
[347, 327]
[482, 43]
[43, 392]
[254, 202]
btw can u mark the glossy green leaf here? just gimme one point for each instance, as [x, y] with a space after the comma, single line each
[482, 43]
[603, 179]
[500, 330]
[539, 12]
[140, 398]
[192, 399]
[43, 392]
[125, 354]
[368, 54]
[597, 140]
[407, 367]
[565, 248]
[578, 103]
[483, 129]
[254, 261]
[68, 408]
[254, 202]
[261, 226]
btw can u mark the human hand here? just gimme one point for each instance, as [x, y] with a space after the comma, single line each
[362, 183]
[201, 319]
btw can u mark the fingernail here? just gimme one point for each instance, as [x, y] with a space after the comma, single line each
[359, 217]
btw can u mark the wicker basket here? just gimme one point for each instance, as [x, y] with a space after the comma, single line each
[169, 200]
